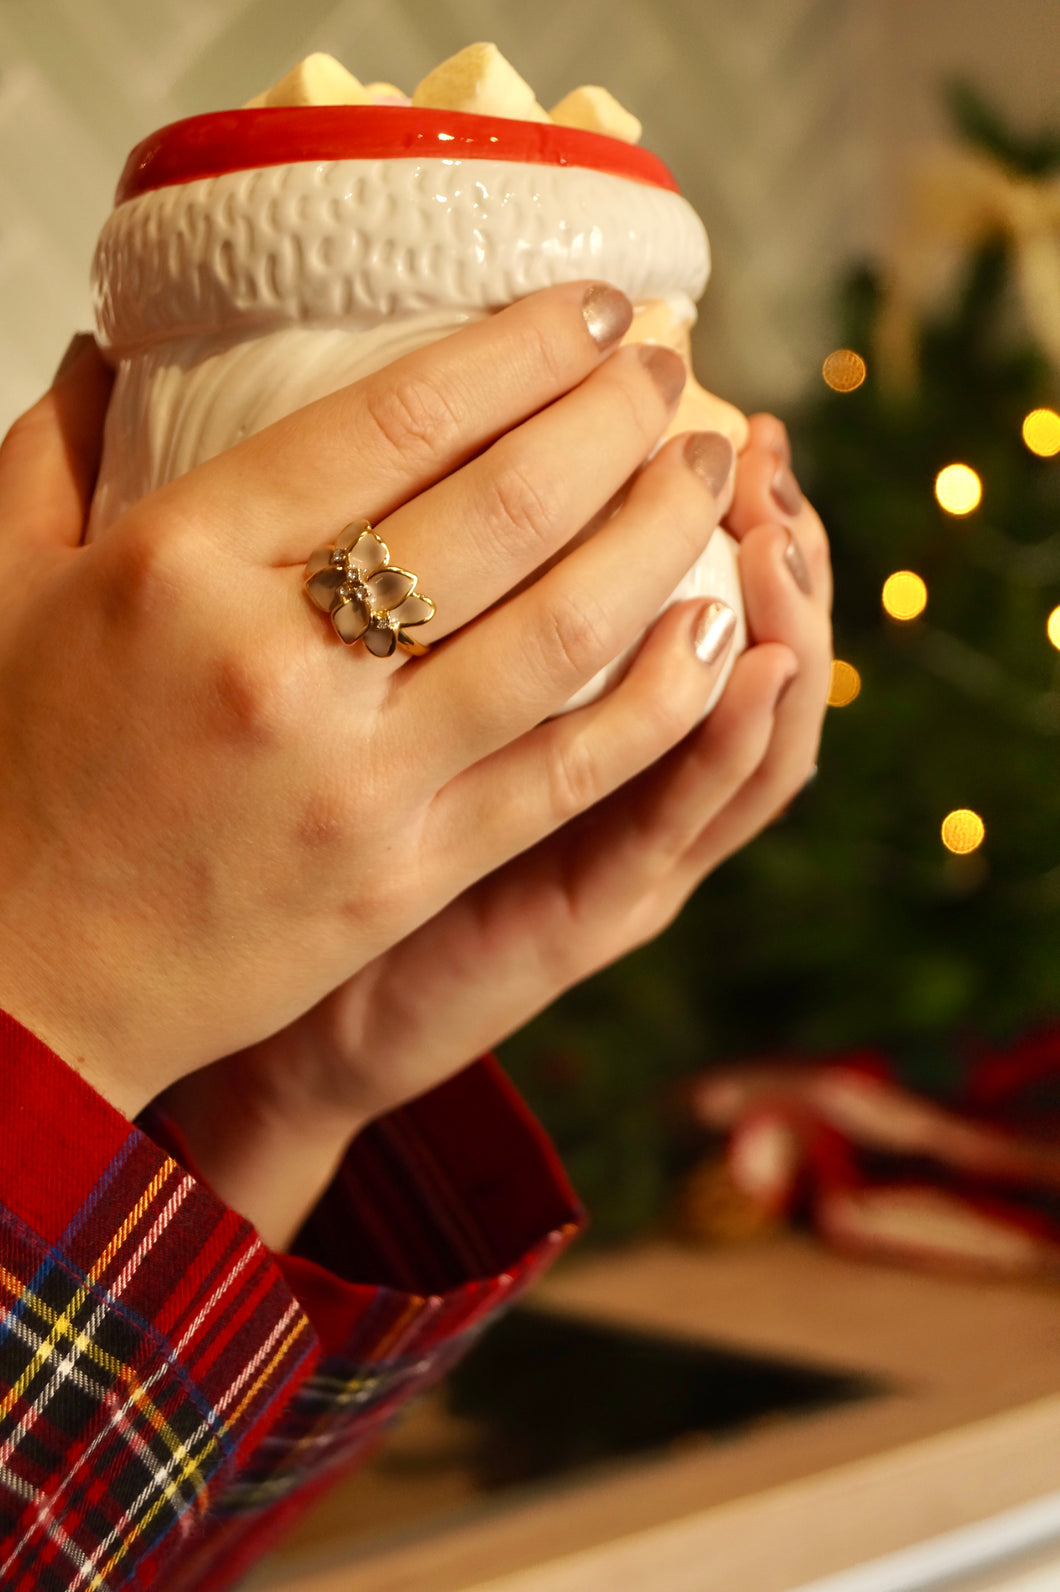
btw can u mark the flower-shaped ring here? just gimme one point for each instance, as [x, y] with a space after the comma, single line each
[367, 599]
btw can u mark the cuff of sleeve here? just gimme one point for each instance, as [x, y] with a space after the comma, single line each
[440, 1211]
[100, 1224]
[454, 1201]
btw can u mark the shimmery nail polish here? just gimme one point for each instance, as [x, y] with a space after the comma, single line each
[786, 491]
[800, 574]
[785, 688]
[608, 314]
[712, 456]
[667, 370]
[76, 346]
[713, 633]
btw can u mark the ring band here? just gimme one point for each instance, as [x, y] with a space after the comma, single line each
[368, 600]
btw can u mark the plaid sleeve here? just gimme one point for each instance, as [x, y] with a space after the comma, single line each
[173, 1394]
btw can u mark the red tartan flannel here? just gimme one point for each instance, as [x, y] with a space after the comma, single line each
[173, 1393]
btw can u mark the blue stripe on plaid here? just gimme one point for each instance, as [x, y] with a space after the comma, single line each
[107, 1441]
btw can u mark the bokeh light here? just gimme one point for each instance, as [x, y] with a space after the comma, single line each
[845, 684]
[904, 595]
[844, 370]
[963, 831]
[1052, 628]
[1041, 432]
[958, 489]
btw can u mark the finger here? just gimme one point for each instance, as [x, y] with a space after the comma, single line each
[758, 498]
[766, 431]
[50, 458]
[568, 765]
[664, 812]
[776, 605]
[520, 663]
[513, 509]
[366, 449]
[625, 867]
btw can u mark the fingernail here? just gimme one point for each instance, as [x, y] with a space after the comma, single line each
[712, 456]
[667, 369]
[786, 491]
[608, 314]
[797, 565]
[713, 633]
[75, 348]
[785, 688]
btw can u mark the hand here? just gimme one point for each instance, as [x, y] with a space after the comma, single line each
[268, 1125]
[213, 813]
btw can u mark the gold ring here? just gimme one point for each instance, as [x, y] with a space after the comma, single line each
[368, 600]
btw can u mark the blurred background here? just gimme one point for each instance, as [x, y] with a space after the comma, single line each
[881, 183]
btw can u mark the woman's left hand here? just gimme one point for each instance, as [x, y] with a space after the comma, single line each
[269, 1125]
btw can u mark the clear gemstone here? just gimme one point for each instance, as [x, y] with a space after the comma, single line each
[380, 639]
[389, 588]
[415, 610]
[323, 588]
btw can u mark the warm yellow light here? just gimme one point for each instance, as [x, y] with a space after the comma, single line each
[844, 370]
[1041, 432]
[963, 831]
[1052, 628]
[904, 595]
[845, 684]
[958, 489]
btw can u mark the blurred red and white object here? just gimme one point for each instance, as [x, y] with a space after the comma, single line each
[883, 1172]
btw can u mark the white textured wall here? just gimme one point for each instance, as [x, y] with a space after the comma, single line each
[782, 119]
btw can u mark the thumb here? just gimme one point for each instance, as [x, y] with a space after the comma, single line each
[49, 459]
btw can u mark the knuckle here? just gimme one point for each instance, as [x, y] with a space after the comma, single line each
[413, 418]
[152, 570]
[542, 353]
[526, 511]
[248, 698]
[573, 640]
[574, 779]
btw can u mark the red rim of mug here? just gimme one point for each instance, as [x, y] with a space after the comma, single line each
[241, 140]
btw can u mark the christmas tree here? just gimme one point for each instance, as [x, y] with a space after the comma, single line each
[910, 900]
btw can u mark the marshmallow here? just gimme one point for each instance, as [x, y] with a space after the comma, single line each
[479, 79]
[318, 80]
[597, 111]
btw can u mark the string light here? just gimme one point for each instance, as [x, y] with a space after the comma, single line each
[845, 684]
[1041, 432]
[843, 370]
[963, 831]
[958, 489]
[904, 595]
[1052, 628]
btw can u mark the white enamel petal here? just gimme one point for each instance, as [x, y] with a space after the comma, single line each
[415, 610]
[389, 588]
[369, 554]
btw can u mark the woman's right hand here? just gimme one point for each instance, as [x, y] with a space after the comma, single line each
[213, 813]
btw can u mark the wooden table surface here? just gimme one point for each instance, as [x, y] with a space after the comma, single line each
[969, 1427]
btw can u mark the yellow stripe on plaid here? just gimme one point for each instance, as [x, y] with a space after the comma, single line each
[147, 1198]
[386, 1347]
[61, 1326]
[135, 1391]
[174, 1486]
[63, 1323]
